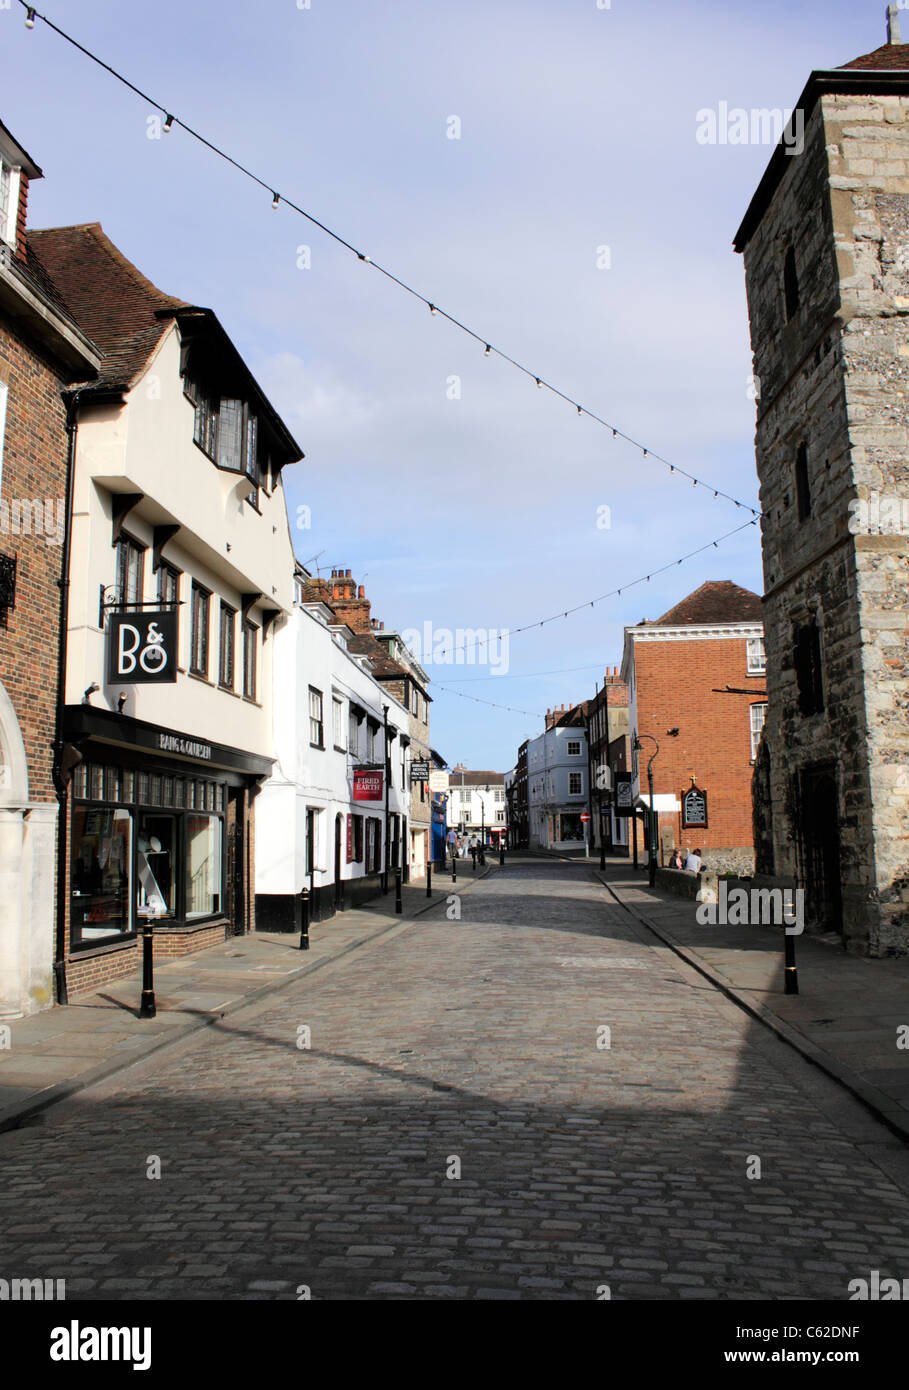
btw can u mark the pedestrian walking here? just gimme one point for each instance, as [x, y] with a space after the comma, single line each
[452, 841]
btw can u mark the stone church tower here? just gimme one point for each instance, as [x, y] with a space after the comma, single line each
[826, 252]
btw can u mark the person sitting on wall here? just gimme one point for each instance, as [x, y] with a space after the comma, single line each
[693, 862]
[675, 860]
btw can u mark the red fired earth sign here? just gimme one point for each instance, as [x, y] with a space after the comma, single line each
[368, 786]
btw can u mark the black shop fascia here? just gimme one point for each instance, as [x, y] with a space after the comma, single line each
[159, 829]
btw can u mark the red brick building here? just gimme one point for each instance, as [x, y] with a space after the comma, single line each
[41, 352]
[696, 684]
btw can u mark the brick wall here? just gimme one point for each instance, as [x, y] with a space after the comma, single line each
[677, 682]
[34, 467]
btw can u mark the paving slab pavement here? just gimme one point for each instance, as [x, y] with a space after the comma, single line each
[845, 1017]
[53, 1054]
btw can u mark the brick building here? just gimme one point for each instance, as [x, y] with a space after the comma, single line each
[41, 352]
[824, 243]
[696, 684]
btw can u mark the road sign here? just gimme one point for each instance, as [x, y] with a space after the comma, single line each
[584, 816]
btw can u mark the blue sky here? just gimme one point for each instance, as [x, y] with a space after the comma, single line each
[577, 131]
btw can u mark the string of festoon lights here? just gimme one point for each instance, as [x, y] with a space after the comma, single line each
[578, 607]
[277, 198]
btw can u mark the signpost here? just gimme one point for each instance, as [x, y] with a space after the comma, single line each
[368, 784]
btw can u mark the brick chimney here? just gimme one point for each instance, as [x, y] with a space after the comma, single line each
[350, 602]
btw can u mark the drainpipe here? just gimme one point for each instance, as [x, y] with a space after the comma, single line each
[61, 781]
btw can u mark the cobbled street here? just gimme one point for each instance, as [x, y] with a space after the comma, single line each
[458, 1128]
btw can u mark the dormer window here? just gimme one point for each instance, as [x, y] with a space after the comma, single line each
[9, 202]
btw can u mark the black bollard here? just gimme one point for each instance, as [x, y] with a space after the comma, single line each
[304, 920]
[790, 973]
[147, 1005]
[398, 904]
[429, 879]
[454, 868]
[603, 855]
[501, 856]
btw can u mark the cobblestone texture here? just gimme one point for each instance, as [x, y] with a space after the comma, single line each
[473, 1041]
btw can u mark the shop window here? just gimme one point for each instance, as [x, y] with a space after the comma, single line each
[203, 866]
[226, 653]
[198, 662]
[101, 858]
[156, 858]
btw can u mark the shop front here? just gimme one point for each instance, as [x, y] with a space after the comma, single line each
[161, 828]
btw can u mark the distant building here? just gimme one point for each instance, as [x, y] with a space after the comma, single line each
[607, 725]
[558, 783]
[477, 803]
[332, 810]
[696, 684]
[395, 666]
[825, 248]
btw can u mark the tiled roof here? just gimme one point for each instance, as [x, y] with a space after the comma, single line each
[110, 300]
[362, 644]
[717, 601]
[891, 56]
[572, 718]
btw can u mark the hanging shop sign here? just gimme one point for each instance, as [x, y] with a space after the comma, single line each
[419, 772]
[368, 785]
[142, 647]
[694, 809]
[623, 797]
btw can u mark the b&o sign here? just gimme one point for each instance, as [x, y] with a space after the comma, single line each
[142, 647]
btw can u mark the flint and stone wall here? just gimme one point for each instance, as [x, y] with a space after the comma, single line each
[835, 377]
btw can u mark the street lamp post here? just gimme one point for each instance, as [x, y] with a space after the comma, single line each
[638, 747]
